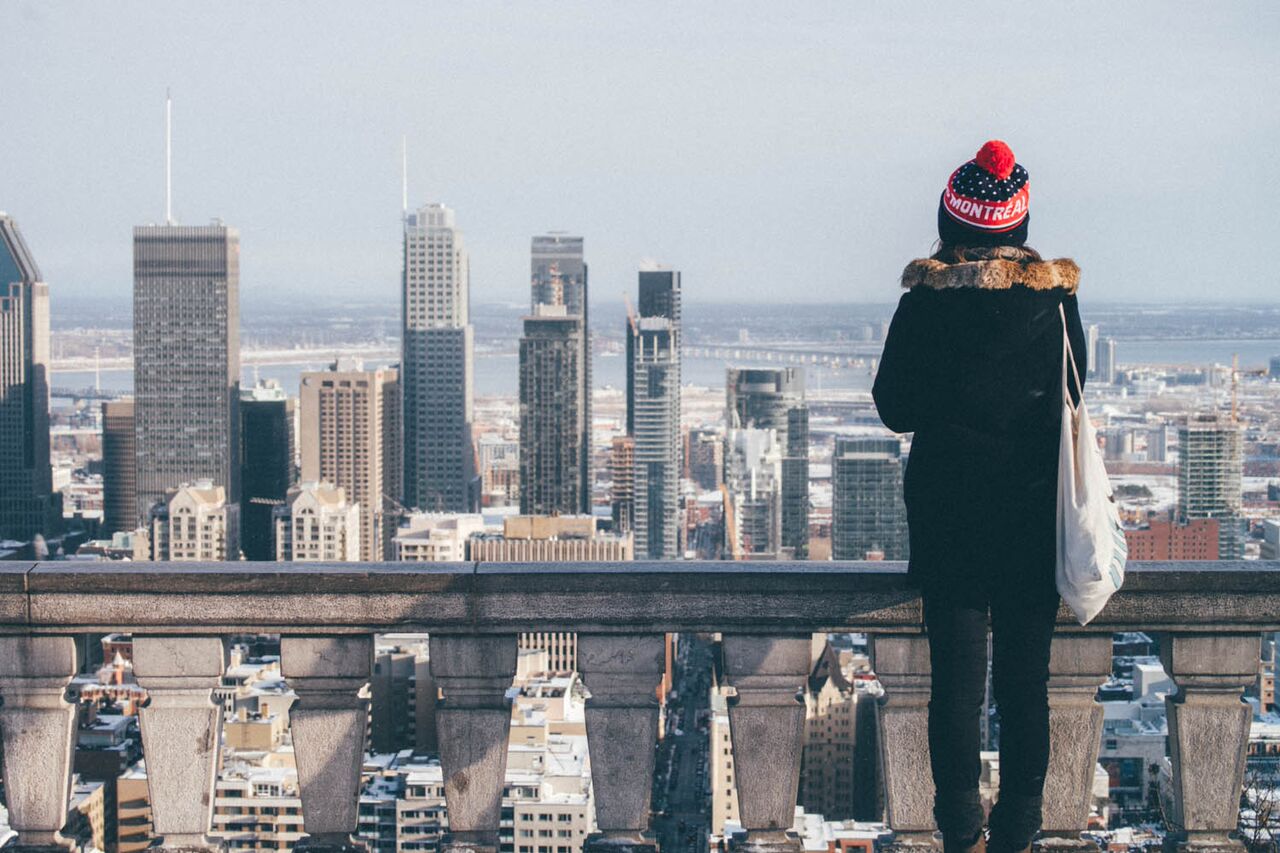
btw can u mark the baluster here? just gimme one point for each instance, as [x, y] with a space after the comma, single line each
[473, 723]
[1209, 732]
[901, 663]
[38, 727]
[329, 721]
[622, 672]
[181, 734]
[1078, 663]
[766, 724]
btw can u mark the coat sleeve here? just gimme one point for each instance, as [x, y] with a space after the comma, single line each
[898, 389]
[1079, 344]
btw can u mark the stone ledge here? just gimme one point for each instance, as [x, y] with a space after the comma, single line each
[741, 597]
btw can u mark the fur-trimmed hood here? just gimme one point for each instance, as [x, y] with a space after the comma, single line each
[994, 269]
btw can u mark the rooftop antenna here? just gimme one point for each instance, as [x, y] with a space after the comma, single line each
[404, 176]
[168, 158]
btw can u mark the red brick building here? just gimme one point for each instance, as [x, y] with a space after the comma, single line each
[1164, 540]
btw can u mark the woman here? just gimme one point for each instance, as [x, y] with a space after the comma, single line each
[973, 366]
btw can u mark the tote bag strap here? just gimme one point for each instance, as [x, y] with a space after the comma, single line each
[1068, 357]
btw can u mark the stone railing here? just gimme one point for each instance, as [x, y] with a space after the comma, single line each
[1211, 616]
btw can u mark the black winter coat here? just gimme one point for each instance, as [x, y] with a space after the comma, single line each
[973, 367]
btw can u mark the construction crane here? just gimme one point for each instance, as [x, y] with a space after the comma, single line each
[730, 525]
[1235, 384]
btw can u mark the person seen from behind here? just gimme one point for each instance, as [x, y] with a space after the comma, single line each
[973, 366]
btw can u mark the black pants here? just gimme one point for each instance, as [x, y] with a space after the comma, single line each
[1022, 623]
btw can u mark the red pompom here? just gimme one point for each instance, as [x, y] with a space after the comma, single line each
[996, 158]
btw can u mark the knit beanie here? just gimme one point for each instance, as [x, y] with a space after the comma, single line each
[986, 201]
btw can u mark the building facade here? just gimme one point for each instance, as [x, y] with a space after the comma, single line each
[558, 276]
[868, 516]
[654, 372]
[195, 523]
[186, 359]
[316, 523]
[753, 488]
[119, 497]
[622, 478]
[350, 431]
[1165, 540]
[437, 364]
[555, 425]
[773, 398]
[26, 479]
[435, 537]
[1210, 472]
[268, 423]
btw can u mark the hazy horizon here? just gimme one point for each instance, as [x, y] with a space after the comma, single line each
[771, 154]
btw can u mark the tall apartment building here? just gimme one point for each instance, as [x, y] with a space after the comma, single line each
[350, 431]
[555, 424]
[659, 296]
[436, 366]
[753, 483]
[26, 479]
[654, 414]
[1106, 366]
[773, 398]
[558, 276]
[119, 497]
[428, 537]
[1210, 468]
[316, 523]
[186, 358]
[1091, 342]
[622, 476]
[868, 516]
[195, 523]
[268, 422]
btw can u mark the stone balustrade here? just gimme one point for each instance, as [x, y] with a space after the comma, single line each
[1211, 616]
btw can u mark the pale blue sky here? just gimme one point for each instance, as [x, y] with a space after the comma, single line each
[768, 150]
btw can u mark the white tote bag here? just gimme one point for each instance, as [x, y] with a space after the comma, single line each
[1091, 544]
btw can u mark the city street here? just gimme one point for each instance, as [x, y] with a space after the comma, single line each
[681, 797]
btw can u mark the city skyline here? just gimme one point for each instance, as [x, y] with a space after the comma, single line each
[852, 161]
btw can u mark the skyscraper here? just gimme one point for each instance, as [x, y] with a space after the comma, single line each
[1210, 471]
[350, 435]
[186, 359]
[554, 428]
[655, 417]
[867, 511]
[659, 297]
[773, 398]
[1106, 365]
[119, 498]
[436, 364]
[26, 480]
[267, 425]
[753, 483]
[558, 276]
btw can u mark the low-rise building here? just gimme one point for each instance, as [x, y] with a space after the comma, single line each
[428, 537]
[195, 523]
[316, 523]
